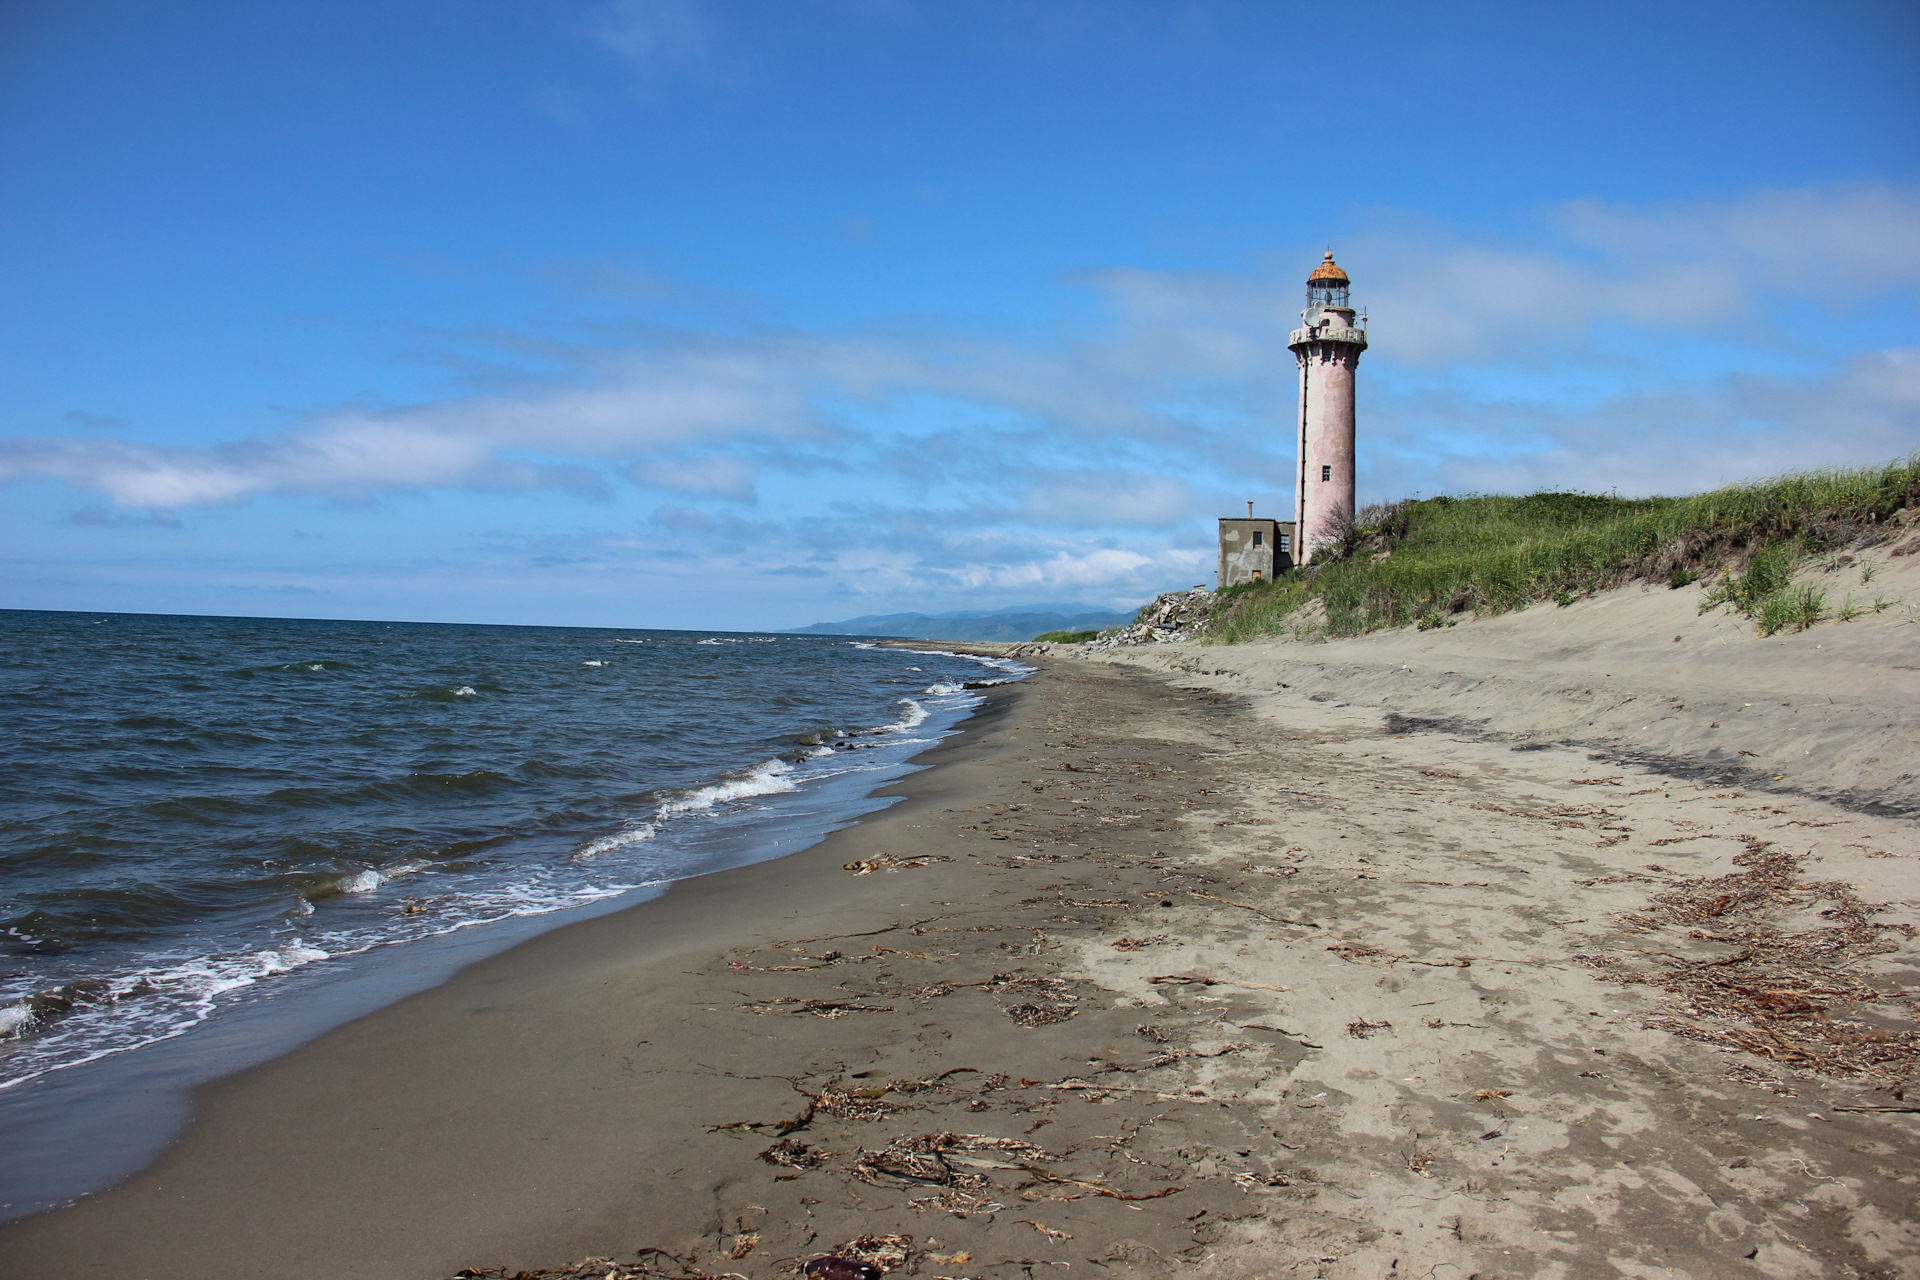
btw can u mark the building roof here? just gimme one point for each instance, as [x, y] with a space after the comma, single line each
[1327, 272]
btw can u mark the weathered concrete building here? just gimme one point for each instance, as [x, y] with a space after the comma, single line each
[1254, 549]
[1328, 346]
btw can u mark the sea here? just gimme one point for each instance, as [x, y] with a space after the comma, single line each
[275, 824]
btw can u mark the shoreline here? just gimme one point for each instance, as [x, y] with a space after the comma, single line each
[1145, 979]
[77, 1129]
[239, 1112]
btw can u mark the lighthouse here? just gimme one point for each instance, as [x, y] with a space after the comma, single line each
[1328, 346]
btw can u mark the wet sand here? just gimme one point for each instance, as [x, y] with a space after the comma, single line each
[1155, 972]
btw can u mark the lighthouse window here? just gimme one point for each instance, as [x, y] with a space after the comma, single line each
[1326, 473]
[1257, 535]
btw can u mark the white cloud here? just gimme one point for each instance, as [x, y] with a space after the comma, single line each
[715, 476]
[1093, 460]
[1663, 440]
[1690, 268]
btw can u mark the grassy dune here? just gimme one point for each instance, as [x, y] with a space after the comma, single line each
[1424, 562]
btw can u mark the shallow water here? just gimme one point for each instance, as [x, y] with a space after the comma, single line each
[201, 813]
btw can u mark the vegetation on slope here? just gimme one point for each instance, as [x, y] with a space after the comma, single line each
[1066, 637]
[1424, 562]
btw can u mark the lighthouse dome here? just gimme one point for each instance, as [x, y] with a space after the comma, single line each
[1328, 273]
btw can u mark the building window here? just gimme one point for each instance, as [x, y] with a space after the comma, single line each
[1257, 535]
[1326, 473]
[1285, 544]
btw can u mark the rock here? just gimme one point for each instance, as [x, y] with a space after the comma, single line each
[1174, 615]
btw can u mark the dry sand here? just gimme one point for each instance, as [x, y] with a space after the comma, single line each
[1280, 960]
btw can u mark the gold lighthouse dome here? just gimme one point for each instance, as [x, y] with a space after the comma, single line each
[1328, 274]
[1326, 289]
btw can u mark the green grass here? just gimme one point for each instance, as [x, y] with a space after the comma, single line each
[1789, 609]
[1427, 562]
[1066, 637]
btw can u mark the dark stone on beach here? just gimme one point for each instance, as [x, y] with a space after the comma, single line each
[841, 1269]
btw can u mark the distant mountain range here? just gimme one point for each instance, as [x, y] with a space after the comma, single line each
[1022, 622]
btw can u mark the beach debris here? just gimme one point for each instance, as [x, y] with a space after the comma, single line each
[905, 1160]
[818, 1008]
[841, 1269]
[893, 862]
[958, 1203]
[1052, 998]
[1191, 979]
[743, 1244]
[791, 1153]
[1152, 1033]
[1783, 994]
[819, 962]
[648, 1264]
[1049, 1232]
[1489, 1095]
[1264, 915]
[1362, 953]
[1095, 1188]
[883, 1251]
[845, 1106]
[1360, 1028]
[1300, 1036]
[780, 1128]
[1040, 1015]
[895, 951]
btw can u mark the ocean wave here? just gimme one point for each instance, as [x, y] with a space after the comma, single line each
[146, 1005]
[15, 1019]
[160, 1001]
[618, 840]
[634, 807]
[770, 777]
[446, 695]
[360, 882]
[914, 716]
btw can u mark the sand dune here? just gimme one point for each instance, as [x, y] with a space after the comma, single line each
[1641, 674]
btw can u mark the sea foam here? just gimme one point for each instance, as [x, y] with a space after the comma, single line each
[768, 778]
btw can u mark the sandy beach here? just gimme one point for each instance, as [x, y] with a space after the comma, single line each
[1403, 956]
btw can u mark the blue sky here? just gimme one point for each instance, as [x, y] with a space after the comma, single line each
[755, 313]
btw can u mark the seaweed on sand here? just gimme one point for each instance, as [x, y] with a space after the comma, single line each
[1797, 996]
[648, 1264]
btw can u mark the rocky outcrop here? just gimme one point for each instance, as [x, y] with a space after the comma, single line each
[1175, 615]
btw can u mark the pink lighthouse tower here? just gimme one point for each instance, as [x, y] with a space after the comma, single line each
[1328, 346]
